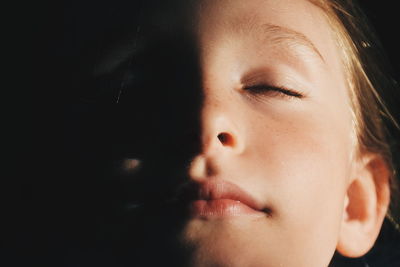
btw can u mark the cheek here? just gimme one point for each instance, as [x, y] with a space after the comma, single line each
[301, 160]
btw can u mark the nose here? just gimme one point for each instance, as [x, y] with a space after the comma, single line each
[219, 130]
[222, 139]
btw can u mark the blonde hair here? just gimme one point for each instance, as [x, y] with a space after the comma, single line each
[370, 86]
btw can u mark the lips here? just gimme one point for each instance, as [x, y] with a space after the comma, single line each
[218, 198]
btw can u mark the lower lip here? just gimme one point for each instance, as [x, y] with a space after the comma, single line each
[220, 208]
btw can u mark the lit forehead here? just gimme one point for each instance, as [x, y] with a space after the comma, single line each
[289, 22]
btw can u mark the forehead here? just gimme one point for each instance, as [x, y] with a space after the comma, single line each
[269, 22]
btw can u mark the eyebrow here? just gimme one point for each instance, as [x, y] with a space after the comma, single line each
[279, 35]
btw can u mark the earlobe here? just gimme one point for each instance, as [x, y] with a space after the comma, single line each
[366, 203]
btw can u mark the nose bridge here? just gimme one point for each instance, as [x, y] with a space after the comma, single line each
[211, 118]
[219, 130]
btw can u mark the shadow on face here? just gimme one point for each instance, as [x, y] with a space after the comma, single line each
[155, 121]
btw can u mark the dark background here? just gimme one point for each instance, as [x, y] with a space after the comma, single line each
[62, 205]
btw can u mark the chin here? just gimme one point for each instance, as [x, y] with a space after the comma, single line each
[244, 242]
[233, 242]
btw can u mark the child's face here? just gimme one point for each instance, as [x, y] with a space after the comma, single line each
[289, 150]
[291, 154]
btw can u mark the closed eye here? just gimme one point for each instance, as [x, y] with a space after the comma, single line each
[272, 91]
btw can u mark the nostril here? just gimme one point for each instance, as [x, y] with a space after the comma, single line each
[226, 139]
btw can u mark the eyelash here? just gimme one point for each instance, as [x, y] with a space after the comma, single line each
[262, 89]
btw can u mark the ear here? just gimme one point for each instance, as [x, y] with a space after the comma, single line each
[366, 203]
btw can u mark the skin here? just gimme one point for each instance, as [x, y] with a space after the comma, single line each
[293, 154]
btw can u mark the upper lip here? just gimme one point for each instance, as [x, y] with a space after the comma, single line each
[218, 189]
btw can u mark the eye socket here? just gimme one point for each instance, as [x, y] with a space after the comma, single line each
[272, 91]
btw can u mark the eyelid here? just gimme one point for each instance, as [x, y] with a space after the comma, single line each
[264, 89]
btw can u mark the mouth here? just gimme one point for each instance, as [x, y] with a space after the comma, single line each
[220, 199]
